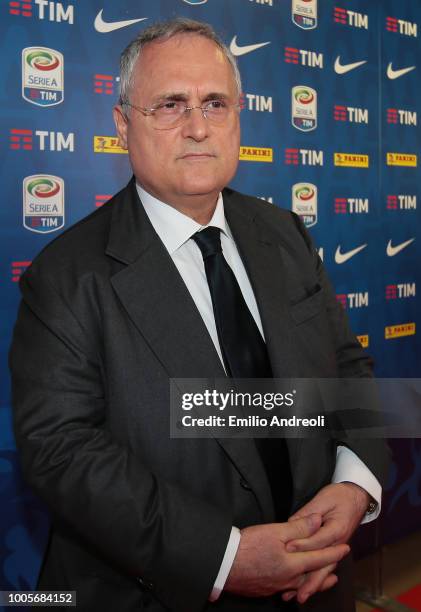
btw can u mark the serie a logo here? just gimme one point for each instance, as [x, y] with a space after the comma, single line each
[43, 203]
[304, 202]
[304, 108]
[42, 76]
[304, 14]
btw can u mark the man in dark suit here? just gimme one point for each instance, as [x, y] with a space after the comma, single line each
[129, 298]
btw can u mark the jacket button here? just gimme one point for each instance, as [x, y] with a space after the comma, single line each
[245, 484]
[144, 584]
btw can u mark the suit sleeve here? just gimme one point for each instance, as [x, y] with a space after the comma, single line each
[146, 527]
[353, 362]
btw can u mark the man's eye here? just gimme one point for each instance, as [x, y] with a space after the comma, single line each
[216, 104]
[169, 106]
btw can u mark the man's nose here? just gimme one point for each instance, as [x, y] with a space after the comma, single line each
[195, 125]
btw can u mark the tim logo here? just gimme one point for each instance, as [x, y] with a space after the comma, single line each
[351, 206]
[351, 18]
[46, 141]
[304, 202]
[311, 59]
[400, 116]
[304, 14]
[353, 300]
[43, 203]
[20, 139]
[304, 157]
[104, 84]
[255, 102]
[304, 108]
[400, 291]
[350, 114]
[100, 199]
[18, 268]
[401, 202]
[43, 9]
[42, 76]
[399, 26]
[267, 2]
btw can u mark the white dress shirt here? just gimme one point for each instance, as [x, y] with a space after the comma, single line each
[175, 230]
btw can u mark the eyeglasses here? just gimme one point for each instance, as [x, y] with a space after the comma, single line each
[173, 113]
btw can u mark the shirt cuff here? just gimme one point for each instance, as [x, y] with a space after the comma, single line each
[227, 561]
[350, 468]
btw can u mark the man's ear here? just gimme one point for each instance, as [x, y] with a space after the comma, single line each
[120, 121]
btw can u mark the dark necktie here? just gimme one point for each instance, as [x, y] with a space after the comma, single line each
[244, 353]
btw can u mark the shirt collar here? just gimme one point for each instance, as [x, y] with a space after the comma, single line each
[175, 228]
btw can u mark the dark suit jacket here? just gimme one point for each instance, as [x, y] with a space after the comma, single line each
[141, 521]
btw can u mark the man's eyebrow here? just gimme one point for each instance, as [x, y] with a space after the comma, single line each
[180, 96]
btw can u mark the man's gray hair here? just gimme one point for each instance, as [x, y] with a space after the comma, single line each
[163, 31]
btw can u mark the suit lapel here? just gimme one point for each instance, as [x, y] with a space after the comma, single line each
[156, 299]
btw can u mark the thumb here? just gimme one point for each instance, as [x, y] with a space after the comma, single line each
[301, 527]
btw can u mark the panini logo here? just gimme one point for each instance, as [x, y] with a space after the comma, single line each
[304, 108]
[401, 116]
[46, 9]
[256, 154]
[18, 268]
[100, 199]
[255, 102]
[304, 14]
[351, 114]
[311, 59]
[401, 202]
[304, 157]
[407, 28]
[43, 203]
[351, 160]
[304, 202]
[402, 159]
[364, 340]
[107, 144]
[353, 300]
[398, 331]
[351, 18]
[42, 76]
[351, 206]
[400, 291]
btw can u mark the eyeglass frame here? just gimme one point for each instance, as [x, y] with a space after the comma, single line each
[149, 112]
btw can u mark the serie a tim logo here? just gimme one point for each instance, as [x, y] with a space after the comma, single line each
[43, 203]
[42, 76]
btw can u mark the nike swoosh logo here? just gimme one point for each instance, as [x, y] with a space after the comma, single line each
[341, 258]
[395, 74]
[105, 27]
[394, 250]
[237, 51]
[344, 68]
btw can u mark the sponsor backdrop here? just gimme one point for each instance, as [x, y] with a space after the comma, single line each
[329, 129]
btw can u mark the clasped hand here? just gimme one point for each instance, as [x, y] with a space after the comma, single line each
[299, 557]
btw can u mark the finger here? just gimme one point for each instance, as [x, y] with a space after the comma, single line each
[303, 562]
[314, 582]
[327, 535]
[288, 595]
[328, 583]
[300, 529]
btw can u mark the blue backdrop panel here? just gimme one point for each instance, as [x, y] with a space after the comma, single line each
[329, 128]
